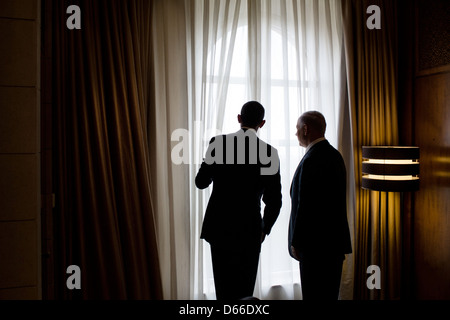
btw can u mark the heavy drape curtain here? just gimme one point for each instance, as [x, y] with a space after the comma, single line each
[104, 217]
[372, 95]
[289, 56]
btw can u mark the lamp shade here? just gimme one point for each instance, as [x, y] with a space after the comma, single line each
[387, 168]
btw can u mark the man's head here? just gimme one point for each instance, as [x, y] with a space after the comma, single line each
[310, 126]
[252, 115]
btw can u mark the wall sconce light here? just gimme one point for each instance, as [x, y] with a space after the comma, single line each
[390, 168]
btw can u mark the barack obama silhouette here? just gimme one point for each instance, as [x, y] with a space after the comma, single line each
[243, 170]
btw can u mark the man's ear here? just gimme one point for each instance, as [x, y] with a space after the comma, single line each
[262, 124]
[239, 118]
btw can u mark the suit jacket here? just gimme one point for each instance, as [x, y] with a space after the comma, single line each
[243, 169]
[318, 222]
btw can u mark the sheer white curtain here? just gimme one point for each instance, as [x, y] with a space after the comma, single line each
[287, 54]
[170, 182]
[211, 28]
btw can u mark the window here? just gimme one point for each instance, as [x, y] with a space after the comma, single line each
[287, 56]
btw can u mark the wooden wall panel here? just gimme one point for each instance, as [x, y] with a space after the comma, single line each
[20, 237]
[424, 120]
[432, 203]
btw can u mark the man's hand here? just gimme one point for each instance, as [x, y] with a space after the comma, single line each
[294, 253]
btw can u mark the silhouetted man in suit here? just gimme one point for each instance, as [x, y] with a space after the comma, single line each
[243, 169]
[319, 235]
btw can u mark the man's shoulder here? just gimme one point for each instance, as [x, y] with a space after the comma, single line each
[323, 146]
[325, 151]
[322, 150]
[333, 151]
[241, 134]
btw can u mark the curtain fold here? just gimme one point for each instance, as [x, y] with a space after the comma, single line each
[104, 215]
[212, 28]
[167, 114]
[372, 100]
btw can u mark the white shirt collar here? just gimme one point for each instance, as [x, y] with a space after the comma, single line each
[313, 143]
[250, 129]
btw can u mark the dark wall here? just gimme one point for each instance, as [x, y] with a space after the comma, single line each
[424, 115]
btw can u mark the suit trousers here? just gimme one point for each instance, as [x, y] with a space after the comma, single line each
[234, 271]
[321, 276]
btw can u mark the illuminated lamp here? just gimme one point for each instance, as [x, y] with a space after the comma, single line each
[386, 168]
